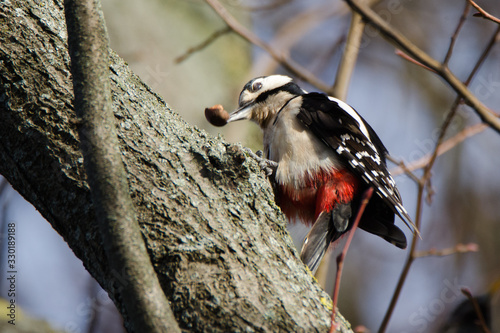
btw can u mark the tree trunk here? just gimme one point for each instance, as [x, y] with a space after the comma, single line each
[215, 237]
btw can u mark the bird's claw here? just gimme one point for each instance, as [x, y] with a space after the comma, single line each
[269, 167]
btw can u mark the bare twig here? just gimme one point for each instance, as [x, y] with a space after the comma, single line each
[493, 40]
[477, 309]
[442, 132]
[459, 248]
[421, 188]
[144, 301]
[340, 259]
[202, 45]
[429, 162]
[408, 263]
[285, 61]
[406, 57]
[450, 47]
[293, 29]
[400, 41]
[402, 168]
[424, 180]
[455, 34]
[443, 148]
[454, 108]
[484, 13]
[349, 57]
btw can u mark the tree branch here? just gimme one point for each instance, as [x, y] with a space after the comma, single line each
[459, 248]
[477, 309]
[341, 257]
[484, 13]
[290, 65]
[453, 39]
[443, 148]
[216, 239]
[425, 179]
[144, 301]
[201, 46]
[350, 55]
[400, 41]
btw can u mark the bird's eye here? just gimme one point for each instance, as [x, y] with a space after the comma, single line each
[256, 86]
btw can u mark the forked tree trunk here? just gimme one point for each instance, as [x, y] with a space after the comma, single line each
[216, 239]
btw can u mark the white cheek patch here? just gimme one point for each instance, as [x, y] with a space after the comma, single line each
[274, 81]
[268, 83]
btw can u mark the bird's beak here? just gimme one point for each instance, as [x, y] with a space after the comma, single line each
[241, 113]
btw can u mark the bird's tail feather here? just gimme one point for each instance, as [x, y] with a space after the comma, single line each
[329, 226]
[316, 242]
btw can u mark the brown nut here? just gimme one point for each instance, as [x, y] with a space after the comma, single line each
[216, 115]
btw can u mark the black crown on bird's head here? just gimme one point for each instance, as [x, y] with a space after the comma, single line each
[260, 97]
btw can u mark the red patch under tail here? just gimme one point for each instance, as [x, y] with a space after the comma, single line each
[321, 192]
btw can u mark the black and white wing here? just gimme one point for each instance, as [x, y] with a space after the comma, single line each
[342, 129]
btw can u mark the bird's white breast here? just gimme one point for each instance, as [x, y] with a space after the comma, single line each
[298, 152]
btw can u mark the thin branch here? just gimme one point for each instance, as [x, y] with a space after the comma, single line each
[425, 179]
[459, 248]
[290, 65]
[443, 148]
[454, 108]
[442, 132]
[402, 168]
[349, 57]
[493, 40]
[484, 13]
[455, 34]
[143, 299]
[407, 265]
[406, 57]
[477, 309]
[400, 41]
[293, 29]
[210, 39]
[340, 259]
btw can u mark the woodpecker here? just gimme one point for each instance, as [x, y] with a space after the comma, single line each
[325, 155]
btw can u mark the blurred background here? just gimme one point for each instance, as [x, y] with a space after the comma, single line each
[404, 103]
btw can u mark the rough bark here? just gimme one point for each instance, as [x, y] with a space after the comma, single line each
[216, 239]
[146, 306]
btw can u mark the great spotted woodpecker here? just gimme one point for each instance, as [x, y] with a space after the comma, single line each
[326, 156]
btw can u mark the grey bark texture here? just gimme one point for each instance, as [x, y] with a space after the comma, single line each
[143, 302]
[216, 239]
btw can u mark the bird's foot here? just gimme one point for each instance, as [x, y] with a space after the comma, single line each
[269, 167]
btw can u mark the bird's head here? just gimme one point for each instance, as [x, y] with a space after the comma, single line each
[263, 97]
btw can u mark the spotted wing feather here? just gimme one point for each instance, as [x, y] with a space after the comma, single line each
[365, 156]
